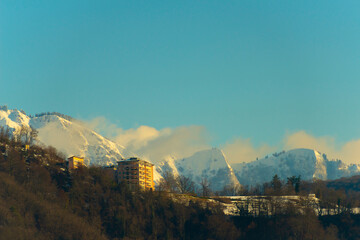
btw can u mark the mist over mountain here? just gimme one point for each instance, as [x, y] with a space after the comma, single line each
[72, 137]
[67, 135]
[308, 163]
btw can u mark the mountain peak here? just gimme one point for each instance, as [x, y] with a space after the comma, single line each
[13, 119]
[308, 163]
[210, 164]
[68, 136]
[304, 151]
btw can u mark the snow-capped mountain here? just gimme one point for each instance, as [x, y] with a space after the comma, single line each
[67, 135]
[210, 164]
[72, 137]
[308, 163]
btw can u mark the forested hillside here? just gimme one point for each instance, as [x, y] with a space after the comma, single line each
[40, 199]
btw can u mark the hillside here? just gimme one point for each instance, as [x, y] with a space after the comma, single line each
[40, 199]
[72, 137]
[346, 183]
[67, 135]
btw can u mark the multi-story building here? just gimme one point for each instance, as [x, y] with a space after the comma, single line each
[136, 173]
[74, 162]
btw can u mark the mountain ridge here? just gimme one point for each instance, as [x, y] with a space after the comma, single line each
[308, 163]
[72, 137]
[206, 164]
[68, 136]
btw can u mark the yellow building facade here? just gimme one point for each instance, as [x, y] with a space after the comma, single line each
[136, 173]
[74, 162]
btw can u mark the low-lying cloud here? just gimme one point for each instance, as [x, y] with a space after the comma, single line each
[348, 152]
[242, 150]
[178, 142]
[155, 144]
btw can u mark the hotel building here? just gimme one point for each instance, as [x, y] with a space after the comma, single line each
[136, 173]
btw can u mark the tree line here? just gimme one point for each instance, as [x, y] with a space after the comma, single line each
[39, 199]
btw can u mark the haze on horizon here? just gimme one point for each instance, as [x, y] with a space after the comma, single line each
[250, 77]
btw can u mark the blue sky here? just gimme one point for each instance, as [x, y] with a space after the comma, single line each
[251, 69]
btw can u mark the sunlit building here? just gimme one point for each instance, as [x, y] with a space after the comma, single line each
[136, 173]
[74, 162]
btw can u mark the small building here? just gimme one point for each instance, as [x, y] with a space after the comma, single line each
[136, 173]
[74, 162]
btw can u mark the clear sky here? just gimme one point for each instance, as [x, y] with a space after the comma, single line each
[250, 69]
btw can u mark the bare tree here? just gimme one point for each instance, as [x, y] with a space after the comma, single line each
[205, 187]
[185, 184]
[24, 134]
[33, 135]
[168, 182]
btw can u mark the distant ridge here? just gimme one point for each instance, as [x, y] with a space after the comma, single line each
[64, 116]
[207, 164]
[308, 163]
[72, 137]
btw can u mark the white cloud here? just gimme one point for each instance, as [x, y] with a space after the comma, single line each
[242, 150]
[155, 144]
[348, 152]
[179, 142]
[302, 139]
[139, 137]
[103, 126]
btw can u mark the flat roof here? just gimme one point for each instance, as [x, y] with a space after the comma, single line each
[75, 157]
[135, 159]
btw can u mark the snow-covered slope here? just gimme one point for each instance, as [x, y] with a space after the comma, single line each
[68, 136]
[210, 164]
[74, 138]
[13, 120]
[305, 162]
